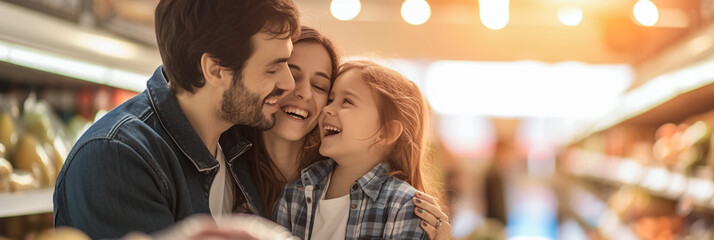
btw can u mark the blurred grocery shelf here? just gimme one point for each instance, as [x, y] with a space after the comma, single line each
[73, 51]
[26, 202]
[658, 181]
[670, 86]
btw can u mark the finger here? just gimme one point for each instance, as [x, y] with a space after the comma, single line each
[428, 229]
[431, 208]
[425, 197]
[441, 233]
[425, 216]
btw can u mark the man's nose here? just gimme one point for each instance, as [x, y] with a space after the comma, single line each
[285, 81]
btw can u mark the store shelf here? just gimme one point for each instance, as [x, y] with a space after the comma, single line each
[670, 97]
[593, 213]
[658, 181]
[81, 53]
[26, 202]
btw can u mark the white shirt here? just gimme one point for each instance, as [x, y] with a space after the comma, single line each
[331, 216]
[220, 197]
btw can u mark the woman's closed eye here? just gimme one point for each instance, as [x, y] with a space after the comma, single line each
[318, 87]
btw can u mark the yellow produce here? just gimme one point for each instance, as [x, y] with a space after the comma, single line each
[5, 185]
[62, 233]
[31, 156]
[39, 125]
[22, 181]
[5, 172]
[58, 153]
[8, 131]
[5, 168]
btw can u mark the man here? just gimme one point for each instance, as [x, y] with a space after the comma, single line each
[160, 157]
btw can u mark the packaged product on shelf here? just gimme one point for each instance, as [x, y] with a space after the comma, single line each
[9, 112]
[694, 147]
[619, 141]
[663, 150]
[21, 180]
[31, 156]
[40, 120]
[663, 227]
[8, 131]
[76, 127]
[5, 172]
[632, 203]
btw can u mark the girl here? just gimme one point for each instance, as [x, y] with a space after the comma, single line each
[374, 131]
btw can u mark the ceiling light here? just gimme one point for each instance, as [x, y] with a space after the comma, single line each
[345, 10]
[570, 16]
[494, 13]
[646, 12]
[415, 12]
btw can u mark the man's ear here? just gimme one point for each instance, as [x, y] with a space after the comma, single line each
[391, 133]
[214, 74]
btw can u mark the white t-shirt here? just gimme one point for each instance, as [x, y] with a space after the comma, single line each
[220, 197]
[331, 216]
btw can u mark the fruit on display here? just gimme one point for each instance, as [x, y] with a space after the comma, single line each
[683, 147]
[655, 228]
[5, 168]
[62, 233]
[5, 172]
[38, 146]
[58, 153]
[76, 127]
[32, 157]
[21, 181]
[3, 151]
[8, 131]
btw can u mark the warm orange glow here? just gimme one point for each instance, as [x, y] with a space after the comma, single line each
[646, 12]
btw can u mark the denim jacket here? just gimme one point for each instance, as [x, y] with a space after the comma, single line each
[142, 167]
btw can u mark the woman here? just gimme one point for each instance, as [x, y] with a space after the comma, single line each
[278, 155]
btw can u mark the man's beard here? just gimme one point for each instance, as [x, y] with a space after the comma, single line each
[241, 107]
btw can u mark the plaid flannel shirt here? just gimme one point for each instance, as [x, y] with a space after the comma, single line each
[381, 206]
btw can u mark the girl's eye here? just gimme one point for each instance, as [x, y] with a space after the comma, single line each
[347, 100]
[330, 100]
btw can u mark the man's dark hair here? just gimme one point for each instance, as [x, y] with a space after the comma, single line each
[185, 29]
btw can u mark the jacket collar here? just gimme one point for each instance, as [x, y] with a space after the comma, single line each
[174, 121]
[370, 183]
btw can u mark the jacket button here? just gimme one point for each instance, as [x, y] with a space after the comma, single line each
[354, 206]
[354, 186]
[309, 200]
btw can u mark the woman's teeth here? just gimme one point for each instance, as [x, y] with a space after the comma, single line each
[296, 112]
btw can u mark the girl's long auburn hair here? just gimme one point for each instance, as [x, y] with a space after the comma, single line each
[400, 99]
[268, 179]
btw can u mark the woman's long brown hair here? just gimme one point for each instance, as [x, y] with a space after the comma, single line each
[269, 180]
[400, 99]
